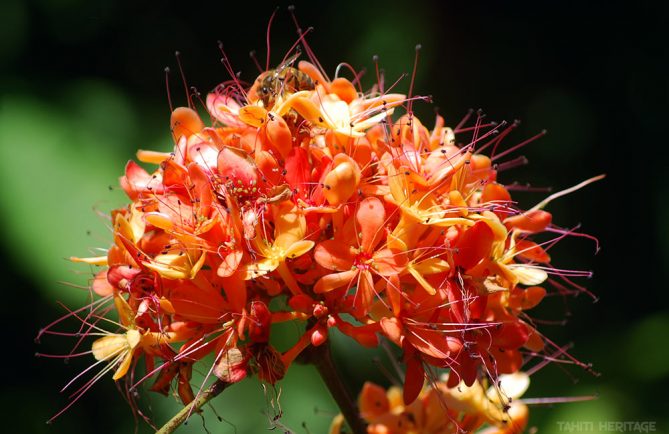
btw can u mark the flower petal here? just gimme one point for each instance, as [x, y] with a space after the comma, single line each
[333, 281]
[299, 248]
[370, 217]
[392, 328]
[230, 264]
[253, 115]
[388, 262]
[334, 255]
[528, 275]
[473, 245]
[414, 378]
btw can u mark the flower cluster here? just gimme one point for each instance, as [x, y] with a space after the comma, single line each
[314, 193]
[440, 409]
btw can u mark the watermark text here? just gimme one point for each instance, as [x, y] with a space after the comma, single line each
[607, 426]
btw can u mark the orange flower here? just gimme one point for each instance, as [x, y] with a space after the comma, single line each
[309, 187]
[441, 409]
[357, 265]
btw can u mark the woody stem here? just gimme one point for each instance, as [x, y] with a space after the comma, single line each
[321, 357]
[204, 397]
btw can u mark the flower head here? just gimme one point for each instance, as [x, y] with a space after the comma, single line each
[362, 220]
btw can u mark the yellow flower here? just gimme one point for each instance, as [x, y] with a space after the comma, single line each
[289, 233]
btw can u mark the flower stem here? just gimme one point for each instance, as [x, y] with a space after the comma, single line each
[179, 418]
[321, 357]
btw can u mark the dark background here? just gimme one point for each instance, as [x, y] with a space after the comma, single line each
[82, 87]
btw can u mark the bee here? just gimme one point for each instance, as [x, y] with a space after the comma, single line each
[281, 81]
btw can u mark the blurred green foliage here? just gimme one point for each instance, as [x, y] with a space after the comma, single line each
[48, 157]
[81, 88]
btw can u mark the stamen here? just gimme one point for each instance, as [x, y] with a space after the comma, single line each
[177, 55]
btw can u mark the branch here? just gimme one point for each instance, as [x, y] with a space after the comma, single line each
[321, 357]
[183, 414]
